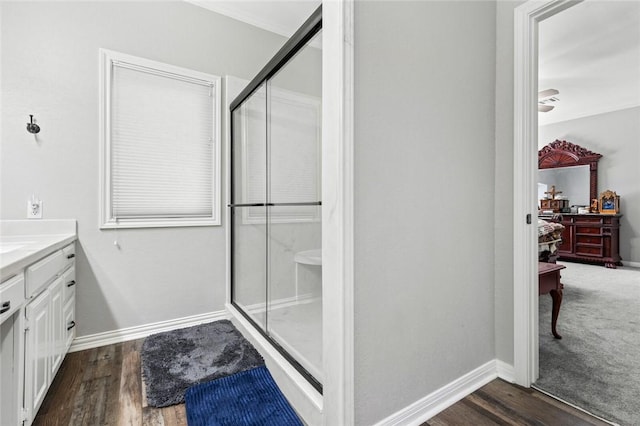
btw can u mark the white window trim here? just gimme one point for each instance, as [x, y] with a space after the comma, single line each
[107, 221]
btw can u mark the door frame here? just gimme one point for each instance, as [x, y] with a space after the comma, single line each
[525, 268]
[338, 211]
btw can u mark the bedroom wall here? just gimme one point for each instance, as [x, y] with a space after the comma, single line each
[424, 203]
[50, 69]
[615, 135]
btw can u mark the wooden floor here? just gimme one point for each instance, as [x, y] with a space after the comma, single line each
[501, 403]
[103, 386]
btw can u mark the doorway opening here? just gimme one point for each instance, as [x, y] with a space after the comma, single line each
[529, 137]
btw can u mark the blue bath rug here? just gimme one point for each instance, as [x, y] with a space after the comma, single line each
[248, 398]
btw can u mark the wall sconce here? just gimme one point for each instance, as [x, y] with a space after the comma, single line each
[32, 127]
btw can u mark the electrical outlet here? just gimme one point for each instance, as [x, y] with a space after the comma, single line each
[34, 209]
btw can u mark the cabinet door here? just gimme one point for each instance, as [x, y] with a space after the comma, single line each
[58, 329]
[11, 369]
[37, 354]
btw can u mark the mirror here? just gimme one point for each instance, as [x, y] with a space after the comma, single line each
[572, 181]
[572, 169]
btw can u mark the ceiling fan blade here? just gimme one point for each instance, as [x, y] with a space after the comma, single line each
[547, 93]
[545, 108]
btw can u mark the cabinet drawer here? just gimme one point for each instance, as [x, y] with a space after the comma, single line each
[69, 283]
[43, 272]
[594, 230]
[588, 239]
[69, 253]
[589, 251]
[11, 296]
[587, 219]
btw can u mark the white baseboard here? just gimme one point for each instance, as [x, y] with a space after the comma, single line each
[131, 333]
[505, 371]
[632, 264]
[427, 407]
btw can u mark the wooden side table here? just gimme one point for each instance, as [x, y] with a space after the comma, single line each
[549, 282]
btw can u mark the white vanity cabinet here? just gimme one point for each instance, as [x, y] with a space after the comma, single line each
[37, 311]
[49, 324]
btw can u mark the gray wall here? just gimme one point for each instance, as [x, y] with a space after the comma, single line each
[424, 205]
[50, 69]
[616, 136]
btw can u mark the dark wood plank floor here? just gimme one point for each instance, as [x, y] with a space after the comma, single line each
[103, 386]
[502, 403]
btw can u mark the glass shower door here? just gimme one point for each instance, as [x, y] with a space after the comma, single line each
[276, 227]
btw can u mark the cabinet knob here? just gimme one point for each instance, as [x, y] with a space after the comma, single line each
[5, 307]
[71, 325]
[71, 256]
[71, 283]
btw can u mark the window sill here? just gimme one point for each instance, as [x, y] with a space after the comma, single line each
[159, 223]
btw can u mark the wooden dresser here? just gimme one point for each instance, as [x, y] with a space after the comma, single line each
[591, 238]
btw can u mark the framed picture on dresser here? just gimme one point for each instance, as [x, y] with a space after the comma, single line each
[609, 202]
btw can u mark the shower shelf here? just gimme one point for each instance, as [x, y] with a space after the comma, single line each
[309, 257]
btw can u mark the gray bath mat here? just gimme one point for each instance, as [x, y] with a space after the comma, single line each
[177, 359]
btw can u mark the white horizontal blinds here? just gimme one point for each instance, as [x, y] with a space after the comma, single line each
[162, 130]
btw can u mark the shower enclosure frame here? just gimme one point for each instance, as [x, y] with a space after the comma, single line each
[298, 40]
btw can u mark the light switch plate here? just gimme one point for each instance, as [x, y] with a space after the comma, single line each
[34, 209]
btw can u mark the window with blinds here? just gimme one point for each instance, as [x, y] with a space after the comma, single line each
[160, 144]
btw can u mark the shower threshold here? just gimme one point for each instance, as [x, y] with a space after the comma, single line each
[295, 331]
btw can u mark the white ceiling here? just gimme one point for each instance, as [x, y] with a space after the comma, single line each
[591, 54]
[282, 17]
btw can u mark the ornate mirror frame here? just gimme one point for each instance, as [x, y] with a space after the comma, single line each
[566, 154]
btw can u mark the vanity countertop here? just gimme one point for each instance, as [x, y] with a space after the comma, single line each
[24, 242]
